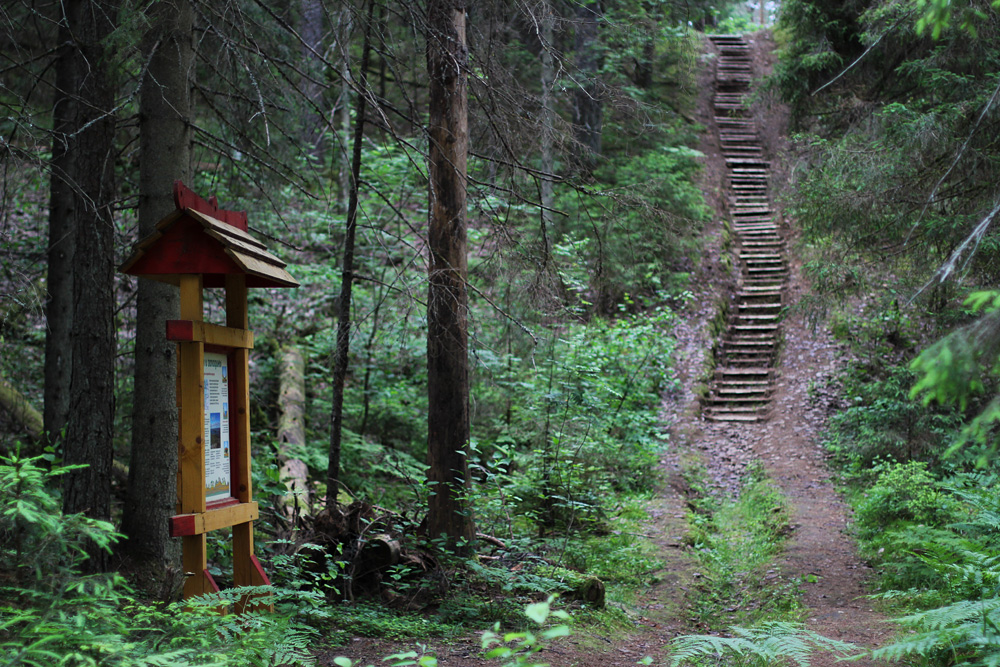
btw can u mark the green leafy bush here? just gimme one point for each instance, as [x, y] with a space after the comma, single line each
[904, 493]
[50, 614]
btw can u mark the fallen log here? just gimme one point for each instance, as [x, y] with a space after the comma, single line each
[579, 586]
[20, 410]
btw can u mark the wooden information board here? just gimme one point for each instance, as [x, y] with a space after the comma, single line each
[199, 246]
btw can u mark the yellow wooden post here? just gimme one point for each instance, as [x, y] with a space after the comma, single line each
[194, 247]
[246, 568]
[191, 448]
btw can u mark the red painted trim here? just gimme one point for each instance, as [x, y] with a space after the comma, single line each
[185, 197]
[225, 502]
[184, 247]
[260, 570]
[234, 429]
[180, 330]
[211, 581]
[182, 525]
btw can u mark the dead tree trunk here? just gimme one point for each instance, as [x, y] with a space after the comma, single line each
[447, 300]
[292, 429]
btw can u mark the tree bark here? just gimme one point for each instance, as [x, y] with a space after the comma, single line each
[59, 280]
[447, 301]
[292, 428]
[347, 279]
[345, 107]
[91, 414]
[311, 32]
[588, 113]
[548, 127]
[165, 147]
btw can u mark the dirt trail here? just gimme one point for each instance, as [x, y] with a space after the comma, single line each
[820, 556]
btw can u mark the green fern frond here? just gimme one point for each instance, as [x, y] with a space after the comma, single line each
[771, 643]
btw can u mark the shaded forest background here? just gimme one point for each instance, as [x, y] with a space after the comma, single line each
[583, 218]
[583, 225]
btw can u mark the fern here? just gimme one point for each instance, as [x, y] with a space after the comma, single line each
[771, 643]
[966, 631]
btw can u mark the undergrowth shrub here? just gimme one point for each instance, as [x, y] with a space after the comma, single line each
[51, 614]
[905, 493]
[881, 421]
[770, 644]
[581, 426]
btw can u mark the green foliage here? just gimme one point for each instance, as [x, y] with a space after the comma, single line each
[585, 420]
[37, 543]
[880, 419]
[960, 368]
[51, 614]
[937, 15]
[769, 644]
[376, 620]
[515, 649]
[941, 542]
[735, 541]
[642, 231]
[965, 632]
[903, 493]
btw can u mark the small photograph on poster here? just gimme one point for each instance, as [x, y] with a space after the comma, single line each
[215, 428]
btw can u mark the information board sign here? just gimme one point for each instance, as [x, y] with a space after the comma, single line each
[216, 437]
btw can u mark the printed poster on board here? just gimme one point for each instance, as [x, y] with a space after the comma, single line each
[216, 438]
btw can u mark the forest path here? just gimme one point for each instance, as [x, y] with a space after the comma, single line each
[820, 559]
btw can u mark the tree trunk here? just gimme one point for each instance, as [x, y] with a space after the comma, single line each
[345, 107]
[447, 299]
[347, 279]
[311, 32]
[588, 114]
[59, 280]
[91, 413]
[548, 127]
[165, 147]
[292, 428]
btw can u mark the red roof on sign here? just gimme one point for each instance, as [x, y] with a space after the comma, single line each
[200, 238]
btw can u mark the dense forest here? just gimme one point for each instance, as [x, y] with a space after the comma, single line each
[495, 213]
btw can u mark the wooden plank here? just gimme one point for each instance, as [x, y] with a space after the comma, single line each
[195, 563]
[209, 520]
[191, 463]
[223, 228]
[210, 334]
[250, 249]
[192, 306]
[256, 267]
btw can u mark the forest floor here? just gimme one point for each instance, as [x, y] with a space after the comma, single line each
[820, 558]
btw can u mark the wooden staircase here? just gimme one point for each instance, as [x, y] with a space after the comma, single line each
[744, 378]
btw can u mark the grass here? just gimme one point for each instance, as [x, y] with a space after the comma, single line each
[735, 542]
